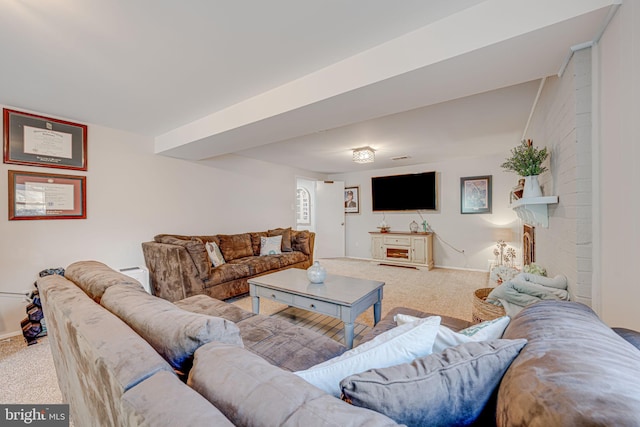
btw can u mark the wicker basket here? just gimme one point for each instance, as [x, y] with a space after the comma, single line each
[483, 310]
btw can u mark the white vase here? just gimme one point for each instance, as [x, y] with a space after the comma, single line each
[531, 187]
[316, 273]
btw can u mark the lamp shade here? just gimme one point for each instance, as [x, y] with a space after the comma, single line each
[504, 234]
[364, 155]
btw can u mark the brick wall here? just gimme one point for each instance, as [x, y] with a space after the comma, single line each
[562, 122]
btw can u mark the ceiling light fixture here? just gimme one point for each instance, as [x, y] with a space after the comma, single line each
[364, 155]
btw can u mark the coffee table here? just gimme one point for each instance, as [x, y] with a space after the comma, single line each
[342, 297]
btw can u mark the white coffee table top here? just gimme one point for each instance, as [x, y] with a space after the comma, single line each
[338, 289]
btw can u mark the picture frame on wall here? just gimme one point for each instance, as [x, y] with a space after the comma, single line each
[352, 199]
[34, 140]
[35, 195]
[475, 194]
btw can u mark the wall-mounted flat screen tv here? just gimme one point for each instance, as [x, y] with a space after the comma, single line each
[416, 191]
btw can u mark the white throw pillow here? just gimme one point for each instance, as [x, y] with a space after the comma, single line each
[485, 331]
[215, 255]
[398, 345]
[271, 245]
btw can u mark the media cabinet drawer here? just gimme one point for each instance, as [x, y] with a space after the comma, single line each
[275, 295]
[317, 306]
[400, 241]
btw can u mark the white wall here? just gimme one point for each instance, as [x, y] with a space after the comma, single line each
[562, 123]
[132, 195]
[469, 232]
[618, 128]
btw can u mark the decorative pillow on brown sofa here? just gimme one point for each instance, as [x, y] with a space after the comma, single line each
[300, 241]
[234, 246]
[286, 237]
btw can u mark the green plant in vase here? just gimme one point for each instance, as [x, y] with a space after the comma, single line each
[526, 160]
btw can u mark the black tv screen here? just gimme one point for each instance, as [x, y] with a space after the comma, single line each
[404, 192]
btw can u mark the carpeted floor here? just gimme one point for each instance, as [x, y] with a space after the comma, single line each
[28, 375]
[438, 291]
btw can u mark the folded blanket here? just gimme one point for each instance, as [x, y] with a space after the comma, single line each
[526, 289]
[558, 282]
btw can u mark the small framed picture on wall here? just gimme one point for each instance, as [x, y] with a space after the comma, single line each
[352, 199]
[475, 194]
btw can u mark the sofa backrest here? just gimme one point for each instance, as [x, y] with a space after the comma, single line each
[94, 277]
[97, 357]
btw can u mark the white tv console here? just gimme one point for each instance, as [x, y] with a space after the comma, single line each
[403, 248]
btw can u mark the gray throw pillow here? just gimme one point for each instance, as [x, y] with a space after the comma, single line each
[441, 389]
[173, 332]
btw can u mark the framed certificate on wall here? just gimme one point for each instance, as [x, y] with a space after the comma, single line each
[35, 140]
[34, 195]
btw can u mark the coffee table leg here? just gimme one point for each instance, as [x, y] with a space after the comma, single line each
[255, 304]
[377, 309]
[348, 335]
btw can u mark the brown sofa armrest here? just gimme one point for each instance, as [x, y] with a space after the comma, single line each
[312, 242]
[172, 273]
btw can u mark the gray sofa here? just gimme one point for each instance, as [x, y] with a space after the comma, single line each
[179, 266]
[123, 357]
[126, 358]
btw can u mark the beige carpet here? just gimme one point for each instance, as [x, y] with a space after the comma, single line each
[438, 291]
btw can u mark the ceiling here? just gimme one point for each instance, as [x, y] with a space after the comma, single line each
[291, 82]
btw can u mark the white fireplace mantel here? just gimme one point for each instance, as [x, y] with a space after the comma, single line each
[534, 210]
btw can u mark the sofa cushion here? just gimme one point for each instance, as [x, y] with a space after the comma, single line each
[441, 389]
[289, 258]
[288, 346]
[255, 241]
[94, 278]
[200, 257]
[286, 237]
[147, 405]
[204, 304]
[234, 246]
[260, 264]
[171, 331]
[252, 392]
[270, 245]
[574, 371]
[227, 272]
[387, 322]
[301, 241]
[488, 330]
[399, 345]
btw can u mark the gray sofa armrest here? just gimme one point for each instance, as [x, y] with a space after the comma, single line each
[251, 391]
[631, 336]
[172, 272]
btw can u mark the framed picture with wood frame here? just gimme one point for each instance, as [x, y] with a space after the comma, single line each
[352, 199]
[34, 140]
[34, 195]
[475, 194]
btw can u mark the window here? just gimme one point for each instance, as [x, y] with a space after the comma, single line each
[303, 206]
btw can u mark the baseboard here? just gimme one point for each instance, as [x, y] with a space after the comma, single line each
[10, 335]
[419, 268]
[413, 267]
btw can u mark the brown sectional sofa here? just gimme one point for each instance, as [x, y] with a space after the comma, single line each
[179, 266]
[122, 357]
